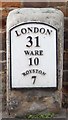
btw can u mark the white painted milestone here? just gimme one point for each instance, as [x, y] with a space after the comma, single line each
[33, 58]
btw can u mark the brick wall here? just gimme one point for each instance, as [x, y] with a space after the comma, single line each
[5, 8]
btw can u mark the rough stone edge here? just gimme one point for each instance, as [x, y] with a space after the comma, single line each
[61, 43]
[20, 11]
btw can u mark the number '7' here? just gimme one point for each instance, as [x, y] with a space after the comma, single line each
[34, 79]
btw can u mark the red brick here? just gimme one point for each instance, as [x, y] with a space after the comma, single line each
[4, 12]
[55, 4]
[0, 44]
[65, 55]
[35, 4]
[66, 34]
[65, 76]
[44, 4]
[0, 4]
[65, 89]
[66, 11]
[2, 56]
[65, 65]
[10, 4]
[66, 23]
[63, 9]
[66, 44]
[4, 22]
[4, 66]
[67, 3]
[3, 39]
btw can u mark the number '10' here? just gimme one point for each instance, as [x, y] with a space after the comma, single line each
[34, 61]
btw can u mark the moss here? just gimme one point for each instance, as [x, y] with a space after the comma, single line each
[40, 116]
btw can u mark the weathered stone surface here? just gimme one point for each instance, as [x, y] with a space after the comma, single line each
[26, 101]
